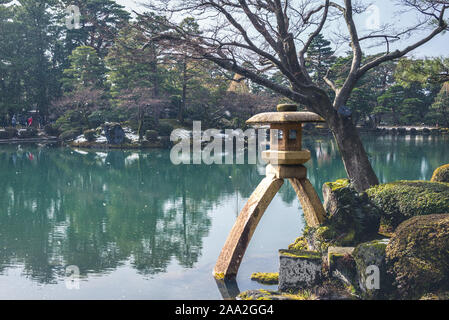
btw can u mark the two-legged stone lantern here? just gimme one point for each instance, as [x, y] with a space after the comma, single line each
[285, 161]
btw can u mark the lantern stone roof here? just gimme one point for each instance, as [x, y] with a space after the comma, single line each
[284, 117]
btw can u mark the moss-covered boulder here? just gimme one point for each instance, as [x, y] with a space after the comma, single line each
[402, 200]
[349, 210]
[351, 218]
[441, 174]
[374, 281]
[417, 256]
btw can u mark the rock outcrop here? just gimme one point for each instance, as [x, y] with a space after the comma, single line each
[299, 269]
[114, 133]
[351, 218]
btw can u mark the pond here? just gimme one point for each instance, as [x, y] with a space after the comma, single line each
[138, 227]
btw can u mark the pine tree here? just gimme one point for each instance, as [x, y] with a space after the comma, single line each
[320, 57]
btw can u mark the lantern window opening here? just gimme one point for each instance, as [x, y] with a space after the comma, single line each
[293, 134]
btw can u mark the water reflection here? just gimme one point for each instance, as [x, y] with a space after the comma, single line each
[105, 209]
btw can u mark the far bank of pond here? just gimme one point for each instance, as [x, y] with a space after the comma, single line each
[139, 227]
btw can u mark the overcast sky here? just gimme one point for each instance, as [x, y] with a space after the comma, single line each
[385, 11]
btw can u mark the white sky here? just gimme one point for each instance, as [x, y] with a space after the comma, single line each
[439, 46]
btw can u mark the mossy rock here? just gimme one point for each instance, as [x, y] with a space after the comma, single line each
[402, 200]
[265, 277]
[340, 183]
[351, 218]
[370, 258]
[418, 256]
[441, 174]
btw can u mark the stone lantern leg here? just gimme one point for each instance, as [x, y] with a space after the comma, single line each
[285, 161]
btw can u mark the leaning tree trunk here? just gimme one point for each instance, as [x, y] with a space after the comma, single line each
[354, 156]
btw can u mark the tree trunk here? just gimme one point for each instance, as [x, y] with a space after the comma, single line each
[140, 122]
[182, 105]
[354, 156]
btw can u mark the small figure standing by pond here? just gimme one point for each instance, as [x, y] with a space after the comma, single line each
[30, 121]
[14, 121]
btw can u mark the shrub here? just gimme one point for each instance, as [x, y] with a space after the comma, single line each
[51, 130]
[71, 119]
[90, 134]
[165, 129]
[69, 134]
[151, 135]
[402, 200]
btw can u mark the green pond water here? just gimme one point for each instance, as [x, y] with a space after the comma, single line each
[138, 227]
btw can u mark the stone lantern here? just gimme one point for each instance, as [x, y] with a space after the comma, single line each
[285, 161]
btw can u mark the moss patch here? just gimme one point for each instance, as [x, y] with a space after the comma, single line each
[301, 254]
[265, 277]
[340, 183]
[219, 276]
[402, 200]
[299, 244]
